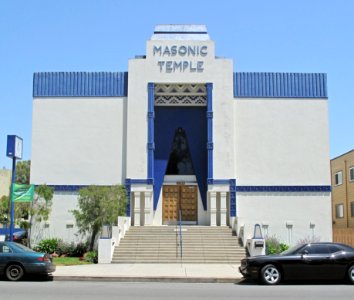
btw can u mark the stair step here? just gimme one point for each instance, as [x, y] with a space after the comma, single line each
[200, 244]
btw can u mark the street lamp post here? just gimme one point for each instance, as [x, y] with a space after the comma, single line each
[14, 151]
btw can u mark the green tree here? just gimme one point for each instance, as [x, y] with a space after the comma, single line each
[21, 209]
[4, 209]
[21, 212]
[40, 208]
[23, 169]
[99, 205]
[26, 214]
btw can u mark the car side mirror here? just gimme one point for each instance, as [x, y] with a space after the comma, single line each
[305, 252]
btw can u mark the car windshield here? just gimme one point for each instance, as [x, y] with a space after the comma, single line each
[292, 250]
[22, 248]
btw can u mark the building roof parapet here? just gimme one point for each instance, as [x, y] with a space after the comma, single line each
[181, 32]
[344, 154]
[280, 85]
[115, 84]
[80, 84]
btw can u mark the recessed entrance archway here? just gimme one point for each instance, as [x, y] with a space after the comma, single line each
[180, 115]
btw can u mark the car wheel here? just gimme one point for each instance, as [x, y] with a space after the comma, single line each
[14, 272]
[351, 274]
[270, 274]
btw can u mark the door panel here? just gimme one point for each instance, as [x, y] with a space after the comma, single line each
[188, 202]
[170, 201]
[176, 197]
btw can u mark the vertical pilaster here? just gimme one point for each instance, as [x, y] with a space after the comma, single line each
[148, 208]
[213, 209]
[151, 116]
[233, 212]
[128, 189]
[137, 209]
[210, 145]
[223, 209]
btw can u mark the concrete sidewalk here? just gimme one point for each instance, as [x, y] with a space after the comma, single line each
[203, 273]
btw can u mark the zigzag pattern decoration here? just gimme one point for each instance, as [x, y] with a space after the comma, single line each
[180, 95]
[180, 100]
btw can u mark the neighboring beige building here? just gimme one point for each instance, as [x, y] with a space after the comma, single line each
[342, 174]
[342, 171]
[5, 182]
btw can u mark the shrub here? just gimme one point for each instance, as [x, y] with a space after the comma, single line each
[65, 248]
[91, 256]
[80, 249]
[308, 239]
[70, 249]
[274, 246]
[283, 247]
[47, 246]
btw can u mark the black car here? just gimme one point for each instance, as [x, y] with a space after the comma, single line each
[302, 262]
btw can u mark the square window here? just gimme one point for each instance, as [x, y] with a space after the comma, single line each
[352, 208]
[351, 174]
[339, 211]
[338, 178]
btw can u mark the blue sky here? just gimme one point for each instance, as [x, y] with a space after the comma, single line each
[101, 35]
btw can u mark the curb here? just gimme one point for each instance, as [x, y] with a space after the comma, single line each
[149, 279]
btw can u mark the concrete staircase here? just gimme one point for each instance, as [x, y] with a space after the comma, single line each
[200, 244]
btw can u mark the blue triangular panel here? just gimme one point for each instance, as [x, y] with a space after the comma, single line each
[193, 121]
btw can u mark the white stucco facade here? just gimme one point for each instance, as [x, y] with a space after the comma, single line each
[256, 145]
[78, 141]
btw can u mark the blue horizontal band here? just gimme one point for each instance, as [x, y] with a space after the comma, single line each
[180, 32]
[219, 181]
[284, 188]
[239, 188]
[67, 188]
[130, 181]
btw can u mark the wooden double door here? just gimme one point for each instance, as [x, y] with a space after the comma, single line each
[180, 197]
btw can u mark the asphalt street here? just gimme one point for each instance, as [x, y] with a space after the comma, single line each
[90, 290]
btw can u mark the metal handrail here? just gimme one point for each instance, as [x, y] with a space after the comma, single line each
[176, 240]
[180, 231]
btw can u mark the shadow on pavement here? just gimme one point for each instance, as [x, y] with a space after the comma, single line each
[246, 281]
[32, 278]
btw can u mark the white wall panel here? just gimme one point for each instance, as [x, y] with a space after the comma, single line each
[78, 141]
[281, 142]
